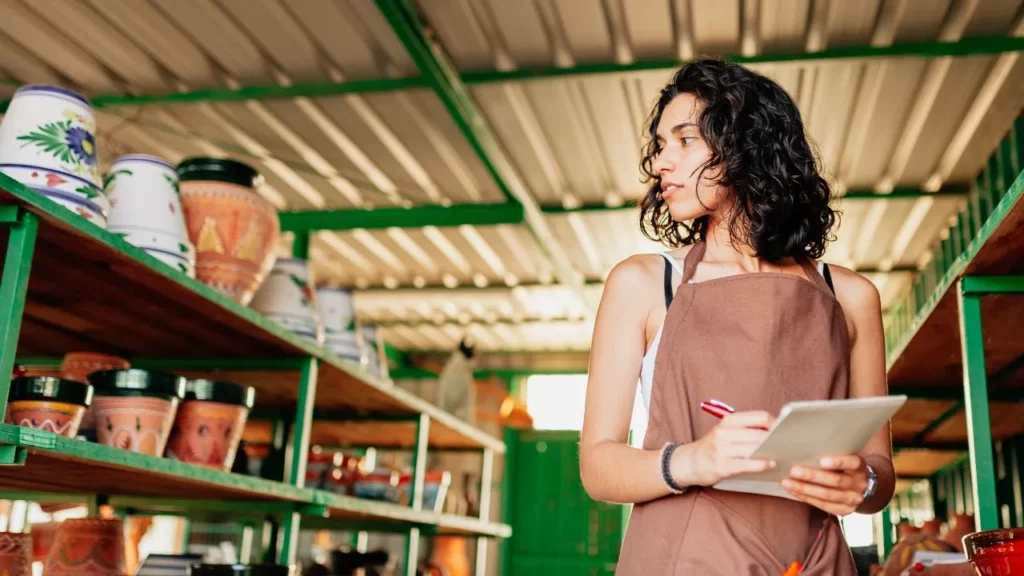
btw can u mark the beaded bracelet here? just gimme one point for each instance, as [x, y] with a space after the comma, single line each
[666, 473]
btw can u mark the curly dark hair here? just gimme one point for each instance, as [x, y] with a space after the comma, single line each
[756, 137]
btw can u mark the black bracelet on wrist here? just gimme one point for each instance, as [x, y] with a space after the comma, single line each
[666, 473]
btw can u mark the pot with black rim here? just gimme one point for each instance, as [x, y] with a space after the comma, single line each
[47, 403]
[210, 422]
[135, 408]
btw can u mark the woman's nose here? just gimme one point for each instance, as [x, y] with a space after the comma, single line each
[662, 164]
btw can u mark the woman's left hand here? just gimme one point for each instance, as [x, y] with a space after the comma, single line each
[837, 488]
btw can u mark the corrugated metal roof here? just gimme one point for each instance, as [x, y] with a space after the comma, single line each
[877, 123]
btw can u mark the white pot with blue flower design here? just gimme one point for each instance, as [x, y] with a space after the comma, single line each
[48, 142]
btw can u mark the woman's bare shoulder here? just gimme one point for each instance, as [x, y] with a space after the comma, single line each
[857, 294]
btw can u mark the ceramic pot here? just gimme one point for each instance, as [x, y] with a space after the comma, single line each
[177, 254]
[43, 536]
[77, 366]
[210, 423]
[87, 547]
[288, 298]
[135, 409]
[337, 313]
[372, 358]
[996, 552]
[50, 404]
[234, 230]
[144, 197]
[15, 554]
[48, 142]
[242, 570]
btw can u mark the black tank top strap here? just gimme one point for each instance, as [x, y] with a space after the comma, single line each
[828, 277]
[668, 282]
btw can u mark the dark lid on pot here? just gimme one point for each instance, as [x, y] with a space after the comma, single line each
[135, 382]
[217, 169]
[49, 389]
[241, 570]
[222, 392]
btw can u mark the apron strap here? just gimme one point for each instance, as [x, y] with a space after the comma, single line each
[693, 257]
[812, 273]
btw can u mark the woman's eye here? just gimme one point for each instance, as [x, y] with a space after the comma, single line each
[686, 140]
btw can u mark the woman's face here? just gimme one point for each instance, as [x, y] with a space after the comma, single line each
[683, 153]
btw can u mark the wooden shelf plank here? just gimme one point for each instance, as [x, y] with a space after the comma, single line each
[90, 290]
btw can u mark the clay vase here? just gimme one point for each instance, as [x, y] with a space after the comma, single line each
[50, 404]
[288, 298]
[135, 409]
[87, 547]
[77, 366]
[48, 143]
[996, 552]
[210, 423]
[338, 315]
[15, 554]
[233, 229]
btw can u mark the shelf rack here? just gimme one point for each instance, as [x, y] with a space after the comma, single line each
[70, 285]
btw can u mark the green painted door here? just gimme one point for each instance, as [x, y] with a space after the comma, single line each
[556, 528]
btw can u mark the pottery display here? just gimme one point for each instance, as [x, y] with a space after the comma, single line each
[87, 547]
[210, 422]
[287, 297]
[242, 570]
[77, 366]
[338, 315]
[15, 554]
[373, 347]
[435, 489]
[135, 409]
[46, 403]
[996, 552]
[380, 484]
[48, 142]
[234, 230]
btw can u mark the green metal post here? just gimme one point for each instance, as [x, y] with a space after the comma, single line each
[13, 292]
[419, 470]
[979, 429]
[888, 538]
[486, 481]
[300, 246]
[300, 453]
[507, 487]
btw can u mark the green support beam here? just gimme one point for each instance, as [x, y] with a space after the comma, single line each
[21, 243]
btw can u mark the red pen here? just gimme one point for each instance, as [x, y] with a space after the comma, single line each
[716, 408]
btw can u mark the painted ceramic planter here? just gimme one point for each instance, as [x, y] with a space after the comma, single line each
[337, 313]
[242, 570]
[50, 404]
[178, 254]
[210, 422]
[135, 409]
[87, 547]
[234, 230]
[15, 554]
[144, 197]
[996, 552]
[77, 366]
[287, 297]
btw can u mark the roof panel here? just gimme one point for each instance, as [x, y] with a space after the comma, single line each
[461, 33]
[716, 25]
[336, 31]
[993, 17]
[922, 19]
[618, 136]
[851, 23]
[783, 25]
[278, 35]
[585, 26]
[522, 31]
[376, 27]
[649, 25]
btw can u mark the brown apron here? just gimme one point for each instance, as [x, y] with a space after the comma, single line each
[754, 341]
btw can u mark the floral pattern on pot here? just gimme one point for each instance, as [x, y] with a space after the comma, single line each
[61, 418]
[135, 423]
[143, 192]
[87, 547]
[234, 232]
[15, 554]
[207, 433]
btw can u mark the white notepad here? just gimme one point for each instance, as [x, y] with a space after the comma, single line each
[805, 432]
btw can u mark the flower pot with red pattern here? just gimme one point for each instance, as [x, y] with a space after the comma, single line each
[210, 422]
[135, 409]
[46, 403]
[77, 366]
[87, 547]
[996, 552]
[15, 554]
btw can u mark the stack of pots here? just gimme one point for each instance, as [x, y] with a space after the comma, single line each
[210, 422]
[87, 546]
[146, 210]
[46, 403]
[135, 409]
[287, 297]
[48, 143]
[339, 318]
[234, 230]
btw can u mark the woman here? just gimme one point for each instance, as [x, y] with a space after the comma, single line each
[738, 311]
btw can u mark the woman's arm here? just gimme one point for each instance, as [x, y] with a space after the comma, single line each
[613, 471]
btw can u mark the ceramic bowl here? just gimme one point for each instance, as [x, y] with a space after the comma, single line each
[996, 552]
[46, 403]
[242, 570]
[143, 192]
[287, 297]
[135, 409]
[15, 554]
[210, 422]
[87, 546]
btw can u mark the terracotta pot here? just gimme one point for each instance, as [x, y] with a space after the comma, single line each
[87, 547]
[287, 297]
[210, 423]
[77, 366]
[43, 537]
[48, 142]
[135, 409]
[15, 554]
[242, 570]
[996, 552]
[50, 404]
[233, 229]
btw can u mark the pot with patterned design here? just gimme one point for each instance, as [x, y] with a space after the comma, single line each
[77, 366]
[135, 409]
[287, 297]
[234, 230]
[15, 554]
[338, 315]
[47, 403]
[48, 142]
[210, 423]
[87, 547]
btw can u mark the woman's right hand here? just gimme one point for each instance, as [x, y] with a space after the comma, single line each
[724, 450]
